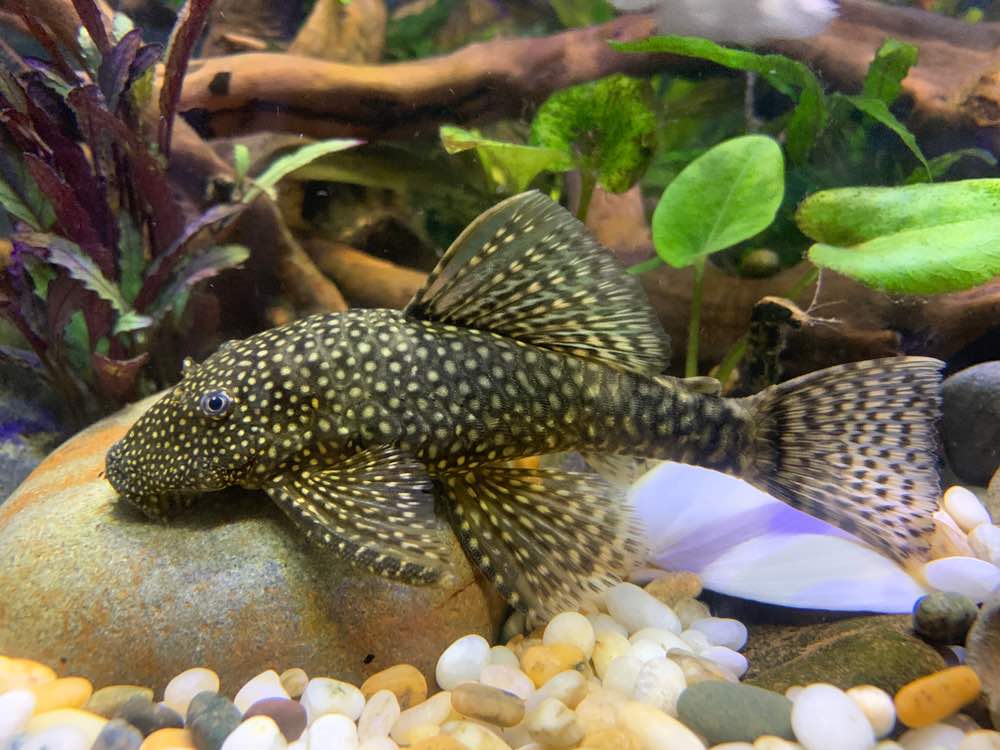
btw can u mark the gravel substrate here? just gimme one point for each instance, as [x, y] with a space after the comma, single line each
[653, 670]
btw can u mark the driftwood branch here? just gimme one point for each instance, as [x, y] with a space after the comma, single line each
[365, 280]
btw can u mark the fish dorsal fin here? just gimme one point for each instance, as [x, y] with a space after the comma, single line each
[375, 509]
[527, 269]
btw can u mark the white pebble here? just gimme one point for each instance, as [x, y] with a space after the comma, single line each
[570, 628]
[554, 725]
[655, 730]
[504, 656]
[324, 696]
[770, 742]
[696, 640]
[568, 687]
[934, 737]
[645, 649]
[462, 661]
[665, 639]
[509, 679]
[964, 575]
[824, 718]
[379, 715]
[981, 739]
[622, 674]
[185, 686]
[433, 711]
[302, 743]
[660, 683]
[723, 631]
[474, 736]
[16, 707]
[599, 710]
[265, 685]
[793, 691]
[332, 731]
[877, 706]
[965, 508]
[603, 623]
[294, 681]
[689, 611]
[609, 645]
[732, 661]
[985, 542]
[637, 609]
[58, 738]
[375, 743]
[256, 733]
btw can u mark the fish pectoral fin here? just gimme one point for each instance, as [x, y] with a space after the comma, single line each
[527, 269]
[547, 539]
[702, 384]
[375, 509]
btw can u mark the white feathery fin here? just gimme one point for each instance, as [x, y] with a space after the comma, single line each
[527, 269]
[856, 446]
[547, 539]
[375, 509]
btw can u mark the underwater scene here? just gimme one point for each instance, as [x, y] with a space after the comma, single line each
[499, 375]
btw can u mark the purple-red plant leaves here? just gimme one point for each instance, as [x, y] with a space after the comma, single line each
[116, 377]
[190, 23]
[115, 72]
[204, 265]
[93, 22]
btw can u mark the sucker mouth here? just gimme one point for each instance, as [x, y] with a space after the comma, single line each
[162, 506]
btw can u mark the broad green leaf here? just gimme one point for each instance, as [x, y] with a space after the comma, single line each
[790, 77]
[941, 164]
[727, 195]
[511, 165]
[606, 127]
[26, 202]
[131, 257]
[198, 267]
[932, 260]
[132, 321]
[14, 205]
[299, 158]
[851, 216]
[892, 62]
[877, 110]
[77, 341]
[68, 255]
[241, 161]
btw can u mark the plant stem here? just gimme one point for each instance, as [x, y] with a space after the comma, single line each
[803, 283]
[732, 359]
[587, 183]
[646, 265]
[694, 325]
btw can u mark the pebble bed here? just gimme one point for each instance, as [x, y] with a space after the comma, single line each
[653, 670]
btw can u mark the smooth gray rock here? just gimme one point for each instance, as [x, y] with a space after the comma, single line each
[731, 712]
[971, 422]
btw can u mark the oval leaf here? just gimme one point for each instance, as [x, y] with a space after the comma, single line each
[727, 195]
[931, 260]
[295, 160]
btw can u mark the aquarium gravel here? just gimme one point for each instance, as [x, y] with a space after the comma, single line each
[641, 674]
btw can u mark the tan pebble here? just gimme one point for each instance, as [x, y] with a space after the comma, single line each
[599, 710]
[733, 746]
[936, 696]
[948, 539]
[554, 725]
[294, 681]
[440, 742]
[542, 663]
[690, 610]
[106, 701]
[23, 673]
[569, 688]
[420, 732]
[474, 736]
[183, 687]
[168, 739]
[610, 739]
[888, 745]
[697, 669]
[432, 712]
[404, 680]
[89, 725]
[65, 692]
[570, 628]
[981, 739]
[488, 704]
[770, 742]
[509, 679]
[609, 646]
[379, 715]
[673, 586]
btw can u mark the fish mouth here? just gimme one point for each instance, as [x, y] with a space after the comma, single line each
[163, 506]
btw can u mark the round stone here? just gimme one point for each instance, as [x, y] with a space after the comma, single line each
[509, 679]
[944, 617]
[106, 701]
[824, 718]
[570, 628]
[731, 661]
[554, 725]
[984, 541]
[169, 739]
[333, 731]
[689, 611]
[934, 737]
[76, 720]
[722, 631]
[489, 704]
[729, 712]
[603, 623]
[697, 669]
[975, 578]
[22, 673]
[294, 681]
[118, 735]
[256, 733]
[609, 645]
[542, 663]
[210, 719]
[877, 706]
[665, 639]
[965, 508]
[379, 715]
[234, 564]
[637, 609]
[327, 696]
[16, 707]
[673, 586]
[981, 739]
[621, 674]
[655, 729]
[432, 712]
[65, 692]
[289, 715]
[404, 681]
[472, 736]
[503, 656]
[660, 683]
[147, 716]
[185, 686]
[970, 422]
[462, 661]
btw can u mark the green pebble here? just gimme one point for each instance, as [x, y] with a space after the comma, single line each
[210, 719]
[944, 617]
[147, 716]
[731, 712]
[106, 701]
[118, 735]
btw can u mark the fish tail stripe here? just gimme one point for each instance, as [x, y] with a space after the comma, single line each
[856, 446]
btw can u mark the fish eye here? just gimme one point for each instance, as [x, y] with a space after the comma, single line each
[215, 403]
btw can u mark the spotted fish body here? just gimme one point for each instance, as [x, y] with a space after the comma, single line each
[528, 339]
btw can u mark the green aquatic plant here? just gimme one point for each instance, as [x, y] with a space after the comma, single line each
[511, 166]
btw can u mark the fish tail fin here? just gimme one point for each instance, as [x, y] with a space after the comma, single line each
[856, 446]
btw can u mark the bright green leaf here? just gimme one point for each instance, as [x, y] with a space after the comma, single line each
[723, 197]
[790, 77]
[287, 164]
[877, 110]
[80, 266]
[886, 73]
[850, 216]
[606, 127]
[241, 161]
[941, 164]
[934, 260]
[511, 165]
[132, 321]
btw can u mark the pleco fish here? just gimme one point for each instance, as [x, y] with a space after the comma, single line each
[528, 338]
